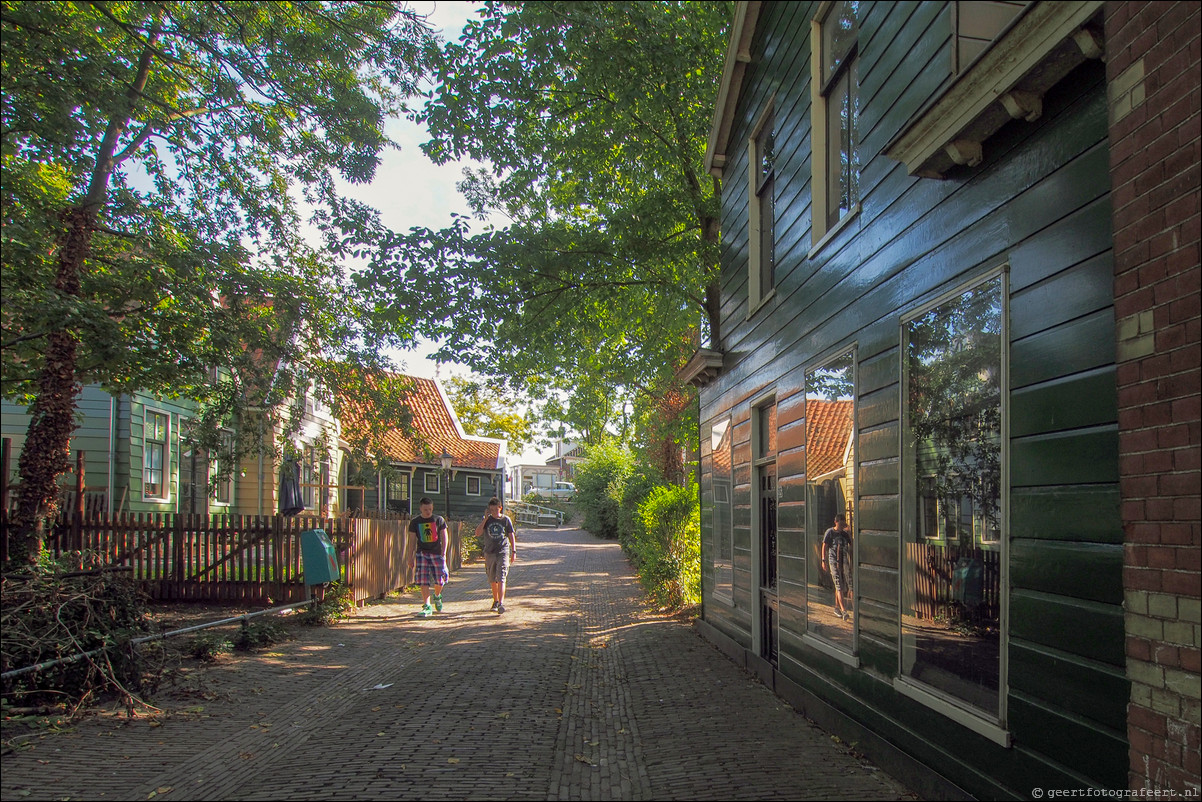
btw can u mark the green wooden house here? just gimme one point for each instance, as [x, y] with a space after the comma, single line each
[138, 460]
[475, 471]
[135, 460]
[917, 229]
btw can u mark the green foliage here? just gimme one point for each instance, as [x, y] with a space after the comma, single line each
[337, 603]
[593, 117]
[209, 646]
[161, 163]
[256, 635]
[666, 547]
[600, 484]
[487, 409]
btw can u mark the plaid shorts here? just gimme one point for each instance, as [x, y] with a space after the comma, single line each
[430, 569]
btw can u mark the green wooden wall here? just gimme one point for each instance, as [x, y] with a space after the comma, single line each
[1039, 202]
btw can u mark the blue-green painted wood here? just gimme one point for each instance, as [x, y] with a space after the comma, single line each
[1082, 456]
[1085, 628]
[1072, 402]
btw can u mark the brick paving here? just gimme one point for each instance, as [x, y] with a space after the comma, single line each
[576, 692]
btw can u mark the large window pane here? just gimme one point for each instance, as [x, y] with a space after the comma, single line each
[830, 499]
[952, 558]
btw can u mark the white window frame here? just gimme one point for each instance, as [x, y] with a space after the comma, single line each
[165, 445]
[224, 452]
[822, 229]
[761, 210]
[994, 727]
[469, 490]
[437, 482]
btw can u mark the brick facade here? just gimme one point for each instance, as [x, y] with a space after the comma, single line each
[1152, 68]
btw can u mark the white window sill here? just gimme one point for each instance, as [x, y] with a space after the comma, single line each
[761, 303]
[843, 223]
[971, 719]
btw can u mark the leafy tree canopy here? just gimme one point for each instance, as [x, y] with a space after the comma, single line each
[487, 409]
[594, 118]
[160, 160]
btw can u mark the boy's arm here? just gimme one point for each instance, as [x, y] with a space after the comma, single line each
[513, 544]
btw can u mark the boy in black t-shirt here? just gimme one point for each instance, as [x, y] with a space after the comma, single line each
[496, 531]
[429, 562]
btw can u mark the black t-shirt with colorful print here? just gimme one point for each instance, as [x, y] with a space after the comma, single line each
[430, 533]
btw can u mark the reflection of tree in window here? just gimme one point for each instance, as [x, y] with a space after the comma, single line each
[954, 359]
[951, 572]
[840, 31]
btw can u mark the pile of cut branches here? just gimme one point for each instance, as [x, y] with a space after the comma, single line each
[52, 613]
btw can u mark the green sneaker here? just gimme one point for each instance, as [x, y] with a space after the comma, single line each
[426, 611]
[438, 602]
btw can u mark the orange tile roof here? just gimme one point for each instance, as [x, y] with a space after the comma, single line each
[436, 428]
[828, 430]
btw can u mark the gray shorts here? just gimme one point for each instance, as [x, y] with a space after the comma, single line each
[497, 566]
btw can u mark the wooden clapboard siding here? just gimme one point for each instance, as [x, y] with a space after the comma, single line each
[1039, 204]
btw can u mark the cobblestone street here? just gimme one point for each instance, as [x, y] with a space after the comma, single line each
[576, 692]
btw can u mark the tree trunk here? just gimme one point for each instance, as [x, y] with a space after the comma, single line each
[47, 448]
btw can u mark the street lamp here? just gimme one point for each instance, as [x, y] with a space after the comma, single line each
[446, 473]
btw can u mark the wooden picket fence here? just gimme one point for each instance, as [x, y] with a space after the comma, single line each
[243, 559]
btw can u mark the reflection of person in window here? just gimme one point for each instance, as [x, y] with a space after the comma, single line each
[835, 544]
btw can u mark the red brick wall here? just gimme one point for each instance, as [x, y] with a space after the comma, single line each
[1152, 52]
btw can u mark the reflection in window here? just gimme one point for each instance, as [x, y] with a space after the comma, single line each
[720, 442]
[830, 499]
[951, 569]
[840, 94]
[762, 262]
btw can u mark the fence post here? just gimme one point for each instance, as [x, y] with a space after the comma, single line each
[5, 455]
[77, 524]
[177, 552]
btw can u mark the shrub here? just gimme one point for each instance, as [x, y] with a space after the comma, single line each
[335, 605]
[56, 611]
[666, 548]
[600, 484]
[258, 635]
[209, 647]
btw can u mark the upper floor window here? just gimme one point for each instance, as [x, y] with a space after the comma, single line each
[761, 210]
[836, 164]
[156, 427]
[977, 24]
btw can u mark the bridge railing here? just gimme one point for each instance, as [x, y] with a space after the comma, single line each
[526, 514]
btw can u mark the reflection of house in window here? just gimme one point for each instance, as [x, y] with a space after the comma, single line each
[829, 463]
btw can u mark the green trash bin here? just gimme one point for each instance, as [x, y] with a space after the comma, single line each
[319, 559]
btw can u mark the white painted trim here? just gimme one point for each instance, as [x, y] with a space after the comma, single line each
[1030, 39]
[976, 719]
